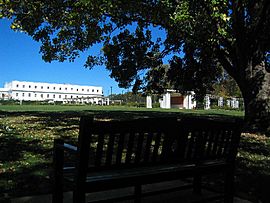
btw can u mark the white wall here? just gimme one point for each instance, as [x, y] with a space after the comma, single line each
[207, 102]
[165, 102]
[149, 102]
[189, 102]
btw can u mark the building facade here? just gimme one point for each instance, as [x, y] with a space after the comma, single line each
[52, 92]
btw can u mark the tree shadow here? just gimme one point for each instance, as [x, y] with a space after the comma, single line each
[26, 151]
[253, 168]
[23, 164]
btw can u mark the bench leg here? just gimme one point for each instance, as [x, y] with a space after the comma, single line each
[138, 193]
[197, 184]
[229, 186]
[78, 196]
[58, 161]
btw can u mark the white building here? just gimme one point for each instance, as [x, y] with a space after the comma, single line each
[4, 94]
[172, 99]
[52, 92]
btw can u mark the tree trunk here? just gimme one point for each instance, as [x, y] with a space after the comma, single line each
[255, 87]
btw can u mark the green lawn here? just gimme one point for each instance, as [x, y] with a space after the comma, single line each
[27, 133]
[82, 108]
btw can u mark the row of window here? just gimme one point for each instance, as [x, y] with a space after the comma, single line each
[54, 88]
[49, 96]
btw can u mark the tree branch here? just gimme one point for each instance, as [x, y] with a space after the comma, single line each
[261, 18]
[225, 61]
[238, 20]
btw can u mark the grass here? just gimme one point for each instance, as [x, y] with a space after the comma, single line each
[26, 142]
[253, 167]
[64, 108]
[27, 133]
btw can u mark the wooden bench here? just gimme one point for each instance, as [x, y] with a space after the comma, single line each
[118, 154]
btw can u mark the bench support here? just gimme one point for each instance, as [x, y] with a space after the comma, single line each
[58, 162]
[138, 193]
[197, 184]
[229, 185]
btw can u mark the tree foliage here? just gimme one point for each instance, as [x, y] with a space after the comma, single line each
[197, 32]
[226, 87]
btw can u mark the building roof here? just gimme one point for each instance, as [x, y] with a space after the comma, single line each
[3, 89]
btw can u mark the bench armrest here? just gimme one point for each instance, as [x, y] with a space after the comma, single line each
[61, 145]
[70, 148]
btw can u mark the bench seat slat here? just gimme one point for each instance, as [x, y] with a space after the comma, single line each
[156, 147]
[130, 148]
[99, 151]
[119, 178]
[148, 147]
[139, 147]
[110, 149]
[120, 148]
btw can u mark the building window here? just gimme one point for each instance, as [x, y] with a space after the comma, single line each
[71, 96]
[23, 86]
[17, 94]
[23, 94]
[29, 94]
[65, 88]
[83, 90]
[29, 86]
[35, 87]
[88, 90]
[59, 88]
[35, 95]
[77, 90]
[17, 85]
[41, 87]
[48, 96]
[65, 96]
[59, 96]
[54, 96]
[97, 90]
[41, 95]
[93, 90]
[71, 89]
[48, 87]
[54, 88]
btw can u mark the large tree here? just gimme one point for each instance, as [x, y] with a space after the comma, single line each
[200, 37]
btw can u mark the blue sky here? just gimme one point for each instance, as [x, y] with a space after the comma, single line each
[20, 60]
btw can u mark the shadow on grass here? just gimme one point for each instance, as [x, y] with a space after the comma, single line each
[26, 140]
[23, 165]
[253, 168]
[123, 113]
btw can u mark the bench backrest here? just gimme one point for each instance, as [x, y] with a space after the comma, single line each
[148, 141]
